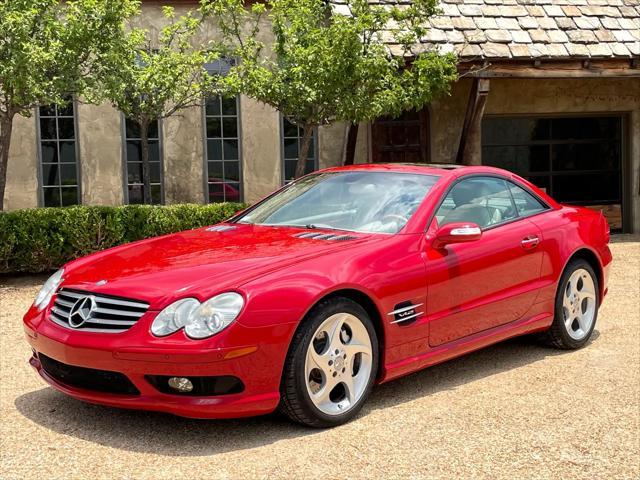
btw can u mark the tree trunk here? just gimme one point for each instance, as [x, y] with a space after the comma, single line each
[6, 124]
[304, 150]
[352, 138]
[146, 170]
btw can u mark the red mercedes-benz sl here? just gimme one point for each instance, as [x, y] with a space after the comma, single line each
[345, 278]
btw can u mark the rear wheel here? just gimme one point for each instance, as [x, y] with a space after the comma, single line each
[577, 302]
[331, 365]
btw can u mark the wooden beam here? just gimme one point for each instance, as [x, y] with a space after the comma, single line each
[352, 139]
[538, 73]
[472, 127]
[579, 68]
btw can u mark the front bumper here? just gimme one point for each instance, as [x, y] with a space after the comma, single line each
[256, 358]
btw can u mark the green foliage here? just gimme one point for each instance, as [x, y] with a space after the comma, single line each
[50, 49]
[152, 78]
[332, 62]
[43, 239]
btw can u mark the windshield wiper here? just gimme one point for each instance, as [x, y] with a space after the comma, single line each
[309, 226]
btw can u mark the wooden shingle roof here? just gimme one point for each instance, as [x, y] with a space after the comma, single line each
[538, 29]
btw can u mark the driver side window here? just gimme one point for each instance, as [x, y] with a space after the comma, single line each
[485, 201]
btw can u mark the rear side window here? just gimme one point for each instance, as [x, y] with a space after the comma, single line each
[526, 204]
[485, 201]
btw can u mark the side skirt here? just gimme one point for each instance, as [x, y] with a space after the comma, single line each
[465, 345]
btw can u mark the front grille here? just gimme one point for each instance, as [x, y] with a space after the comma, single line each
[88, 378]
[102, 313]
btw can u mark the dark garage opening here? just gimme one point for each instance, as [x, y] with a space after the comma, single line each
[577, 160]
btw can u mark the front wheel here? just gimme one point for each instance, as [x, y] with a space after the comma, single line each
[331, 365]
[576, 308]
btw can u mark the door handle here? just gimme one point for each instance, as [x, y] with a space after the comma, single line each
[530, 242]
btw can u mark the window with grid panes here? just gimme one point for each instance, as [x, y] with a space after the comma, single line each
[576, 160]
[135, 187]
[58, 155]
[291, 140]
[223, 150]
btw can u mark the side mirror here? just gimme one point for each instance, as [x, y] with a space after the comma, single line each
[456, 233]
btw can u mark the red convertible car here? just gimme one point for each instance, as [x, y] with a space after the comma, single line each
[345, 278]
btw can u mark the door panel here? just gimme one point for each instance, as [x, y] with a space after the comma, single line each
[483, 284]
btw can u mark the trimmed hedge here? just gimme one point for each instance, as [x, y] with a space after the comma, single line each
[43, 239]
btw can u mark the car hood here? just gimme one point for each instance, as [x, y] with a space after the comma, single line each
[199, 263]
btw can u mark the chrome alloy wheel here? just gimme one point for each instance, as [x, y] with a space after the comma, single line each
[338, 364]
[579, 304]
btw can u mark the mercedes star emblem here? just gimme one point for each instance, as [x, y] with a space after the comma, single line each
[81, 311]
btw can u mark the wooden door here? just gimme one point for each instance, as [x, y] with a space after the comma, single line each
[401, 140]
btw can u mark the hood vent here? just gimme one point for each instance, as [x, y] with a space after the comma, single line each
[326, 236]
[221, 228]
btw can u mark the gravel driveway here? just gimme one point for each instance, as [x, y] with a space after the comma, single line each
[513, 410]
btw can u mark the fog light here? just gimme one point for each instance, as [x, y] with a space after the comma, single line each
[181, 384]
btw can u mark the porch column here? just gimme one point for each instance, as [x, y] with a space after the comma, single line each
[468, 153]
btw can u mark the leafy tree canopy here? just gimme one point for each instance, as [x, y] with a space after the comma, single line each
[332, 62]
[154, 78]
[50, 49]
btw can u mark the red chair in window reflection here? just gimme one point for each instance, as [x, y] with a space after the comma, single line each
[223, 192]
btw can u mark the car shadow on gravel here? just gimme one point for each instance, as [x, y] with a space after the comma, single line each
[165, 434]
[508, 355]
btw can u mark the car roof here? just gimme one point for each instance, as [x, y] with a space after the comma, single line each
[448, 172]
[440, 169]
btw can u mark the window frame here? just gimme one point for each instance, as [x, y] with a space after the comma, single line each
[205, 150]
[125, 167]
[316, 151]
[39, 157]
[517, 218]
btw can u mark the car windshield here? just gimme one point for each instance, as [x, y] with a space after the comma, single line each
[355, 201]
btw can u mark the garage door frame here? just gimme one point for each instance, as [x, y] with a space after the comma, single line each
[625, 166]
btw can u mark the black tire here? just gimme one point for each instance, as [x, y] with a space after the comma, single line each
[557, 335]
[295, 400]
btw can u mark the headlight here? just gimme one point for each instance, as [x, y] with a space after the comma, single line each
[199, 320]
[48, 289]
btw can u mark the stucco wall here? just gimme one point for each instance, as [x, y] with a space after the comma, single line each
[537, 96]
[22, 170]
[446, 116]
[183, 150]
[100, 142]
[260, 149]
[331, 144]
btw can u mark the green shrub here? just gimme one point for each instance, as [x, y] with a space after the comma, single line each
[43, 239]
